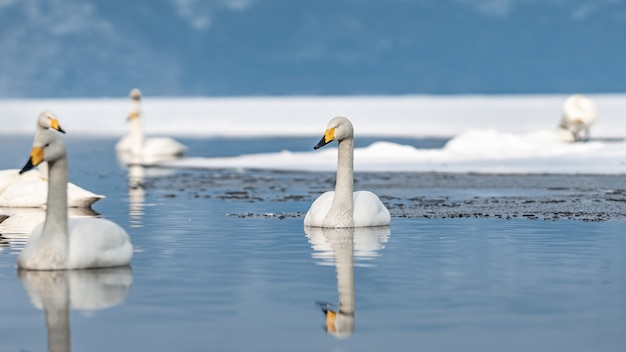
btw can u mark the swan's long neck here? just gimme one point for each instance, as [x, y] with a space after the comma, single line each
[38, 129]
[55, 227]
[341, 211]
[136, 129]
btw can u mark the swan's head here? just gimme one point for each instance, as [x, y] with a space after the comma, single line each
[48, 146]
[47, 119]
[135, 94]
[338, 129]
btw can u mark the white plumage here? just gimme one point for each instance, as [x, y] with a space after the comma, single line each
[60, 243]
[136, 148]
[29, 189]
[343, 207]
[579, 114]
[368, 210]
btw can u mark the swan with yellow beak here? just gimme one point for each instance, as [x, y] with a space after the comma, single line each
[29, 190]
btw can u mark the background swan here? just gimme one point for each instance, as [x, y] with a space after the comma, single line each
[579, 113]
[343, 207]
[137, 148]
[29, 189]
[60, 243]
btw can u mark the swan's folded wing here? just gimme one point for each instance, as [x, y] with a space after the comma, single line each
[97, 243]
[369, 210]
[28, 193]
[163, 146]
[33, 193]
[78, 197]
[316, 214]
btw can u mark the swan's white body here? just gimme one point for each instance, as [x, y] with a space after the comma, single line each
[138, 148]
[151, 147]
[29, 189]
[579, 113]
[344, 208]
[368, 210]
[60, 243]
[92, 243]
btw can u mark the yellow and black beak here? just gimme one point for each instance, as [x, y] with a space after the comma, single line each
[54, 123]
[132, 115]
[36, 157]
[329, 136]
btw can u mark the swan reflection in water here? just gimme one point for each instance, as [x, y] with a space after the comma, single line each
[136, 194]
[341, 247]
[21, 222]
[55, 292]
[137, 175]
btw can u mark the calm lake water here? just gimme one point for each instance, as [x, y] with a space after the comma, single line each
[202, 280]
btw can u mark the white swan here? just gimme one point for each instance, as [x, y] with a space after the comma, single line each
[137, 148]
[46, 119]
[60, 243]
[579, 113]
[29, 189]
[343, 207]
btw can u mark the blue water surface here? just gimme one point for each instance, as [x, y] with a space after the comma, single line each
[204, 280]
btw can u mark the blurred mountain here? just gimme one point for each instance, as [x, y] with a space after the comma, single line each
[92, 48]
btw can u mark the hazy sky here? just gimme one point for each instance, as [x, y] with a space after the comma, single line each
[76, 48]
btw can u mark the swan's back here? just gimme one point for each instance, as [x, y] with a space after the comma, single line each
[97, 243]
[124, 145]
[163, 146]
[319, 209]
[10, 177]
[153, 147]
[368, 210]
[30, 191]
[579, 112]
[93, 243]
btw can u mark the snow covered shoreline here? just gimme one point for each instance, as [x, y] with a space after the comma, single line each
[489, 134]
[411, 115]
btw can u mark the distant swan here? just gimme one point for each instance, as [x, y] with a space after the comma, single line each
[60, 243]
[343, 207]
[139, 149]
[29, 190]
[579, 113]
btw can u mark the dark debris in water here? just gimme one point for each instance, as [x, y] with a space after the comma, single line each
[280, 216]
[417, 195]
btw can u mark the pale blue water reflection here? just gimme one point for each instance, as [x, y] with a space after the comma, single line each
[202, 280]
[437, 284]
[55, 292]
